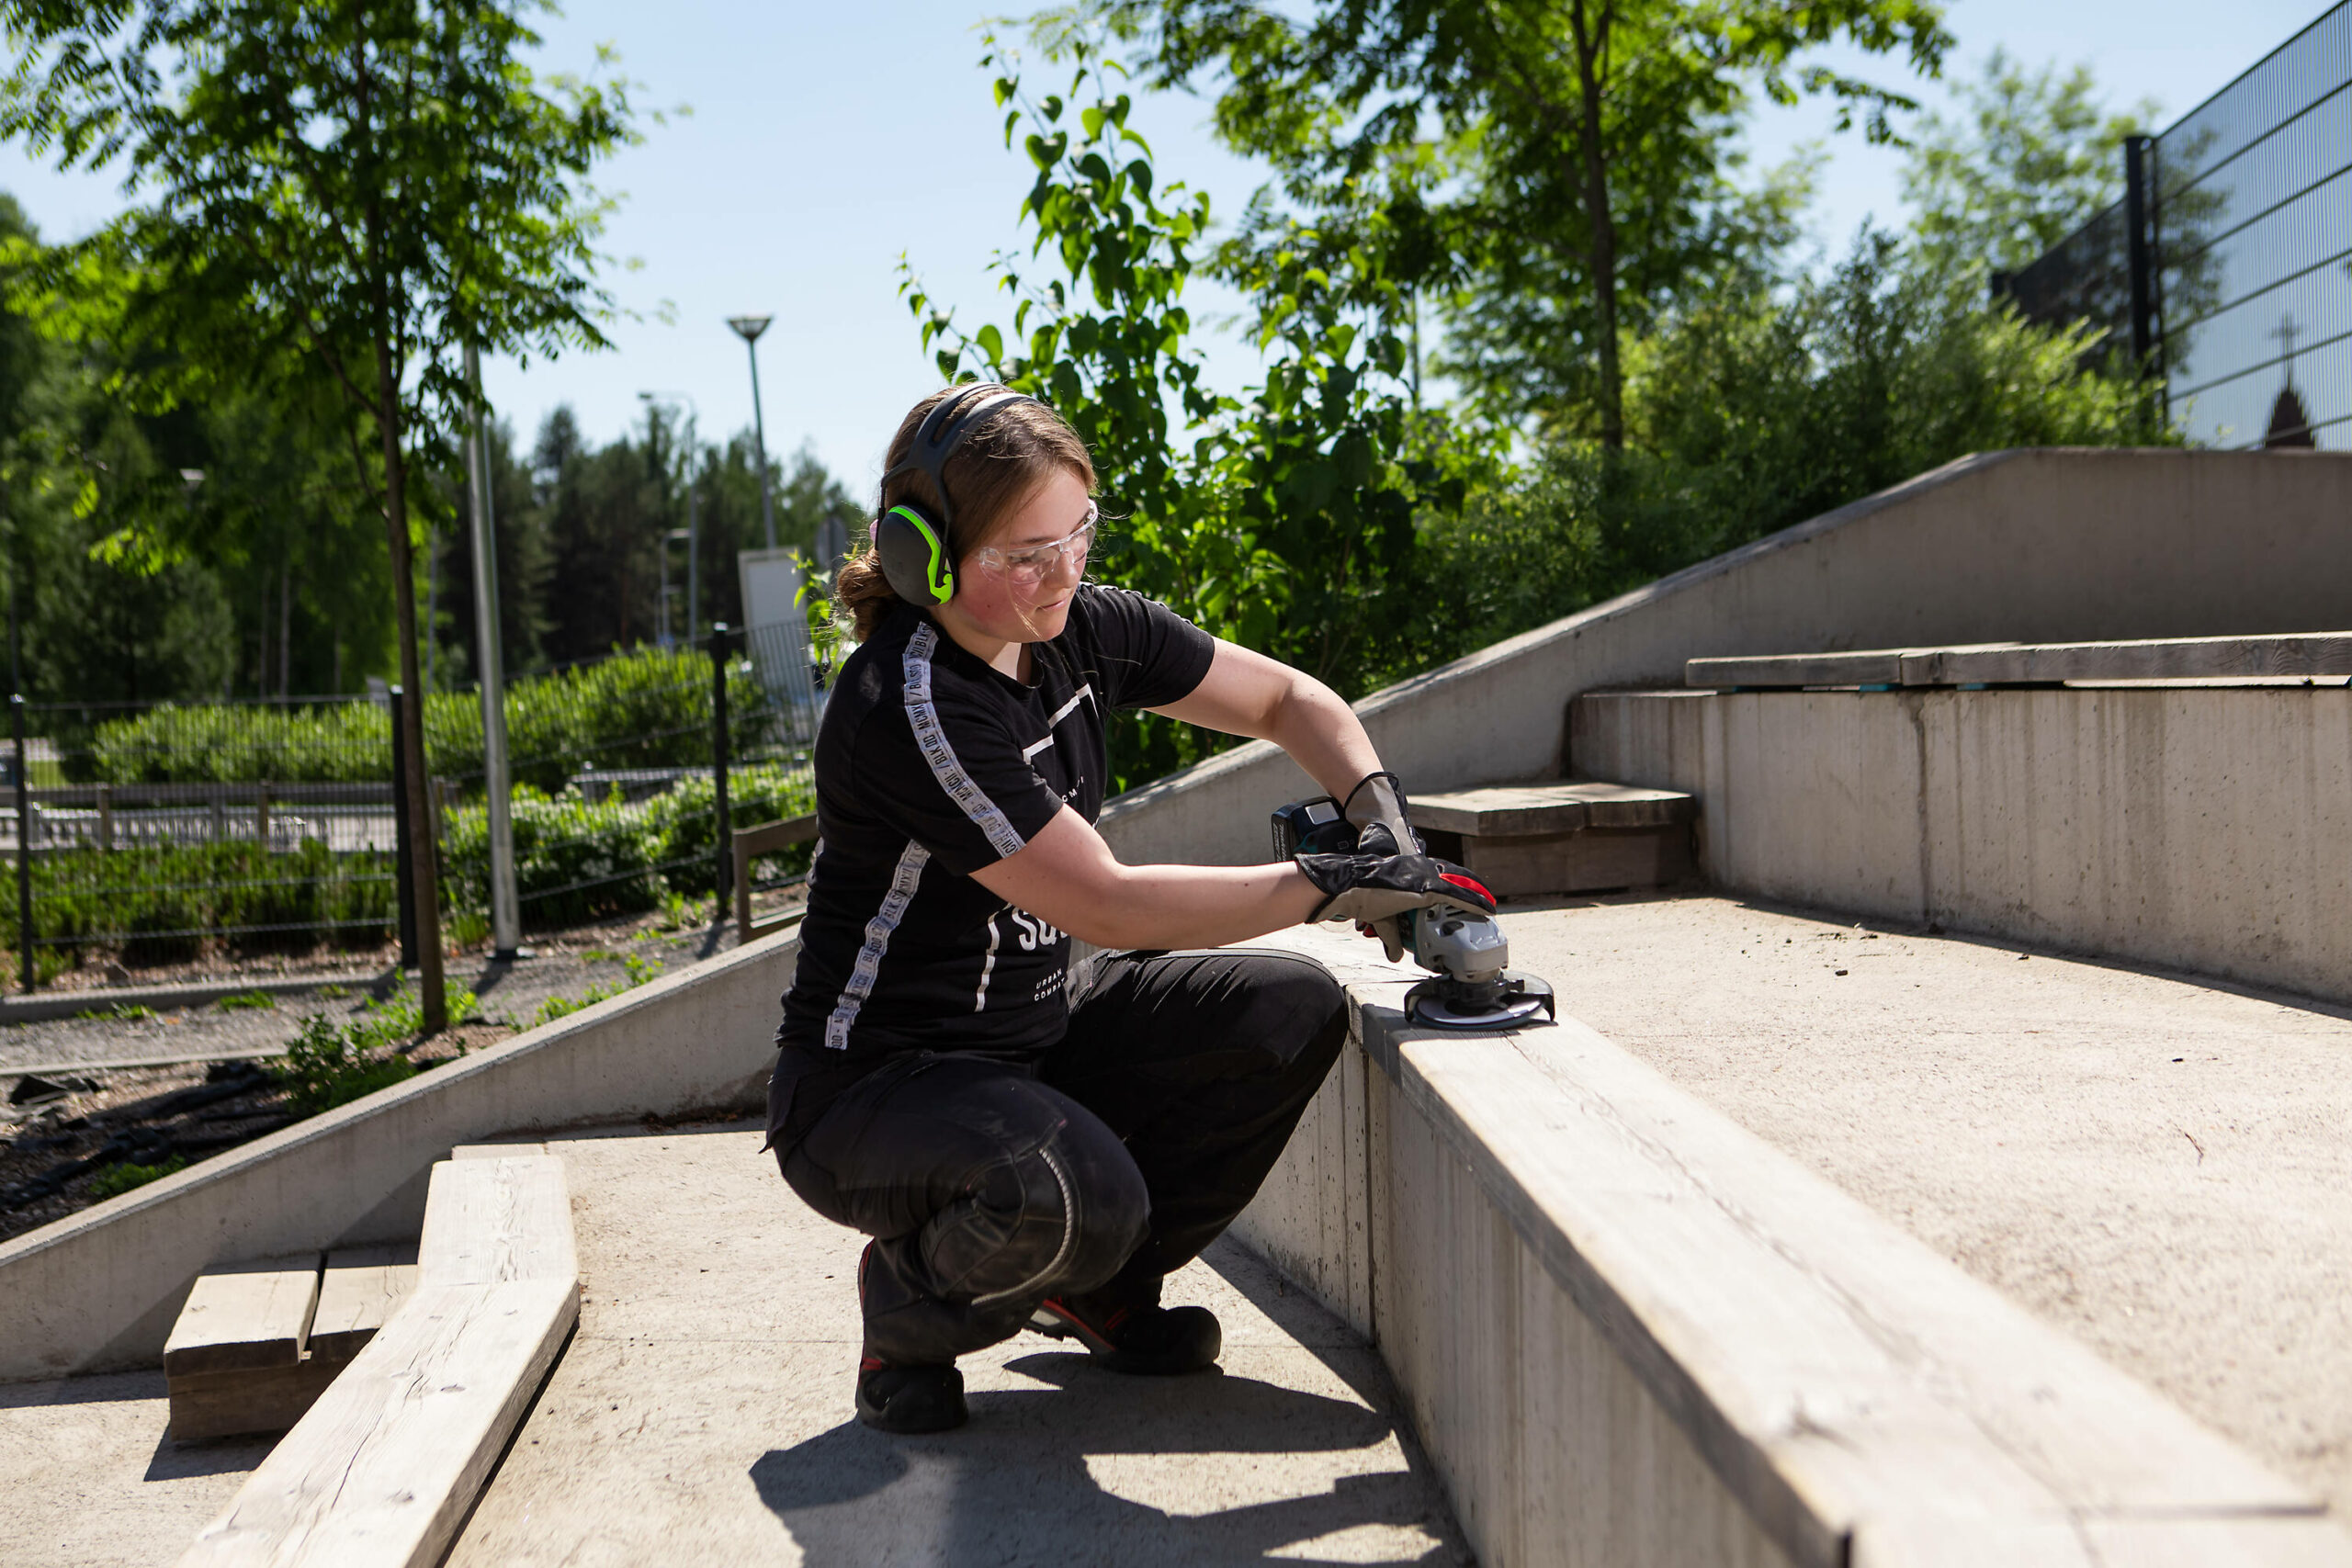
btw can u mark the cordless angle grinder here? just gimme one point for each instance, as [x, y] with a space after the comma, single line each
[1473, 987]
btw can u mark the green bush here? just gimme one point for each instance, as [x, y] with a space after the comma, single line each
[634, 857]
[574, 859]
[645, 709]
[687, 819]
[325, 1067]
[145, 897]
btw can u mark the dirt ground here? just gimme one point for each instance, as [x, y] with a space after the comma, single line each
[71, 1120]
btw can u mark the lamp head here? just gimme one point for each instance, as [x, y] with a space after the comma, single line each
[750, 327]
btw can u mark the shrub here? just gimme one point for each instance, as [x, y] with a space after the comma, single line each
[160, 902]
[574, 859]
[325, 1067]
[649, 709]
[577, 859]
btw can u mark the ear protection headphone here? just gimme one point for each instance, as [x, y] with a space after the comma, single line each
[912, 545]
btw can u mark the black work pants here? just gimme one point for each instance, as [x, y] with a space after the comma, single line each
[988, 1186]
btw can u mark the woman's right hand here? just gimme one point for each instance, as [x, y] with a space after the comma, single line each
[1371, 888]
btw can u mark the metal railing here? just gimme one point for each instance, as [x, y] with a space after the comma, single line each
[2226, 270]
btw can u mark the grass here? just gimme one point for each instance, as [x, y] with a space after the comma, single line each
[121, 1012]
[243, 1001]
[638, 970]
[116, 1180]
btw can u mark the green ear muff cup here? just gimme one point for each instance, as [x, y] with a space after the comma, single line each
[914, 558]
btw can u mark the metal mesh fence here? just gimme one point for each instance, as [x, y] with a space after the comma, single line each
[169, 832]
[2246, 211]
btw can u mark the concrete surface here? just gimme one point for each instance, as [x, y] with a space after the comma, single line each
[2159, 1168]
[702, 1412]
[2206, 828]
[2031, 545]
[89, 1479]
[97, 1291]
[1631, 1331]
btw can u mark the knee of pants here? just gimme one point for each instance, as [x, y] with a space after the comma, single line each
[1063, 1214]
[1312, 1006]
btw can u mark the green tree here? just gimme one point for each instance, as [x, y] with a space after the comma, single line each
[1591, 136]
[1282, 518]
[2031, 155]
[357, 190]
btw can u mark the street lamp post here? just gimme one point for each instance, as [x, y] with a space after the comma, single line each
[693, 520]
[505, 904]
[675, 535]
[750, 328]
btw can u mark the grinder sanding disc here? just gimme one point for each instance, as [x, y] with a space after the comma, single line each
[1524, 998]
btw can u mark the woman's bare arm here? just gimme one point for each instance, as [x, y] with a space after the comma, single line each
[1068, 874]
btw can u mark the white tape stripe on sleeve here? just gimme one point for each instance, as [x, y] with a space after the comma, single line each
[1028, 752]
[886, 919]
[932, 740]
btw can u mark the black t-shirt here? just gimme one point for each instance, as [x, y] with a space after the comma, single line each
[930, 766]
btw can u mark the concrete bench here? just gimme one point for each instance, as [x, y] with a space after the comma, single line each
[383, 1469]
[257, 1343]
[1576, 837]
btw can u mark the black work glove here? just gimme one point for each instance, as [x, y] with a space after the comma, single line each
[1378, 808]
[1372, 890]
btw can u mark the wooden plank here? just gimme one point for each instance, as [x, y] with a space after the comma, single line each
[357, 1294]
[490, 1221]
[264, 1399]
[1527, 809]
[1863, 667]
[2206, 658]
[245, 1316]
[382, 1471]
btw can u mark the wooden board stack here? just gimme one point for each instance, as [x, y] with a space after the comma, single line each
[258, 1342]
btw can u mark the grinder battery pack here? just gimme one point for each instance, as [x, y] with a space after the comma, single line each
[1472, 987]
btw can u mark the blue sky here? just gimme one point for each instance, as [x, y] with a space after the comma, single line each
[826, 140]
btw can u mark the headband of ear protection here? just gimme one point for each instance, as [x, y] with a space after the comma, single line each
[912, 544]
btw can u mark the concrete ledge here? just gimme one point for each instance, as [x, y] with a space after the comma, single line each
[1630, 1332]
[2305, 655]
[99, 1290]
[2205, 828]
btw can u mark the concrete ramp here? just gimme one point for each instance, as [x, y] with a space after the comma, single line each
[702, 1413]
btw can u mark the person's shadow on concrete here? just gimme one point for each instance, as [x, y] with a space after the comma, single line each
[1016, 1486]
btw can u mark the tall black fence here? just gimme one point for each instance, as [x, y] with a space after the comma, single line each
[169, 832]
[2227, 268]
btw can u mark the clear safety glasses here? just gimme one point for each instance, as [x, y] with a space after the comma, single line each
[1028, 568]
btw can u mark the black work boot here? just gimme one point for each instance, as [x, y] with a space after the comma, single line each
[1143, 1337]
[909, 1399]
[906, 1397]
